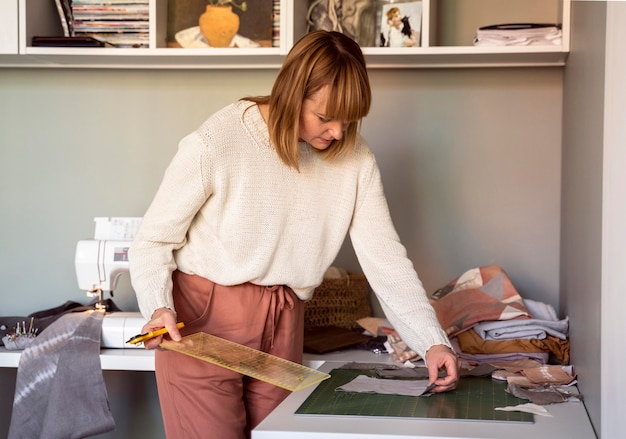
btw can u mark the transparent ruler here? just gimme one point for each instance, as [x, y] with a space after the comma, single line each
[247, 361]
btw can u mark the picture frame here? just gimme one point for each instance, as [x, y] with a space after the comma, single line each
[400, 24]
[256, 28]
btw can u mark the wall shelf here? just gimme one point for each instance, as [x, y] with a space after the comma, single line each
[446, 42]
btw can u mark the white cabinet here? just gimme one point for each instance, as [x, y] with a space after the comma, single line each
[8, 27]
[447, 31]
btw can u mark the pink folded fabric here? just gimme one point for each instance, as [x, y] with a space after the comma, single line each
[479, 294]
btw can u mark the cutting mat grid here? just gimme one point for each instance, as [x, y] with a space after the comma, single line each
[474, 399]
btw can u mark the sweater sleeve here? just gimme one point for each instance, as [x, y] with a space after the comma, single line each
[163, 229]
[388, 269]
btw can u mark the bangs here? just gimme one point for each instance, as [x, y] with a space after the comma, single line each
[350, 94]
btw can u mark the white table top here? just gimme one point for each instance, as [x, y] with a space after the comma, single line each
[569, 420]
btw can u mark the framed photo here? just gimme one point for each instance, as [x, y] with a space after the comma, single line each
[400, 24]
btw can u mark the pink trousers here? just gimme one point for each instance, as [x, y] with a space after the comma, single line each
[202, 400]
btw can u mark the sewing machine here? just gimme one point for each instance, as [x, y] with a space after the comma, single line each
[99, 265]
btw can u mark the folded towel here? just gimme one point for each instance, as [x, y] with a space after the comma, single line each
[60, 391]
[544, 322]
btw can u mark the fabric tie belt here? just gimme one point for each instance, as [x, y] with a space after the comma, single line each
[281, 297]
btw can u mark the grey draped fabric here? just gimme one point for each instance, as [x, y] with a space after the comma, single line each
[60, 391]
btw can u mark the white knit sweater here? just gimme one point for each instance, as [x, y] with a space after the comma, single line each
[229, 210]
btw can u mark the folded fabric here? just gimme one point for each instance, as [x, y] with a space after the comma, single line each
[543, 322]
[471, 343]
[541, 311]
[60, 391]
[539, 357]
[480, 294]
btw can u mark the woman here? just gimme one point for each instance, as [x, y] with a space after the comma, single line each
[252, 210]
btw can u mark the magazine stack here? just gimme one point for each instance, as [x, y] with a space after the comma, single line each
[118, 23]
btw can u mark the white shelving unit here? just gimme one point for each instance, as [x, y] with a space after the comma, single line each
[447, 27]
[8, 28]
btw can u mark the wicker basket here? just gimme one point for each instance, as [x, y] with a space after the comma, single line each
[339, 302]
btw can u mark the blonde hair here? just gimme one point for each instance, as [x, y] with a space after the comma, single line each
[391, 12]
[318, 59]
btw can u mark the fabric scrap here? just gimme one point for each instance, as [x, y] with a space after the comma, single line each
[549, 374]
[365, 384]
[538, 395]
[528, 408]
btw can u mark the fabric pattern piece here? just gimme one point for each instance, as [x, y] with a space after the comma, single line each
[479, 294]
[365, 384]
[60, 391]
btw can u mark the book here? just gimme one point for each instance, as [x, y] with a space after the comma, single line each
[118, 23]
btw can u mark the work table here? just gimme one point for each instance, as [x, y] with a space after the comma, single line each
[568, 419]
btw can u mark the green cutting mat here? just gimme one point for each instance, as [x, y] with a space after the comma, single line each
[474, 399]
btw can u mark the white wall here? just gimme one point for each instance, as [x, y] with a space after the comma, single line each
[614, 231]
[470, 160]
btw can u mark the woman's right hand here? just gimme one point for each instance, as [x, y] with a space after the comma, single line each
[161, 318]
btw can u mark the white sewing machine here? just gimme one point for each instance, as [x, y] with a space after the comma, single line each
[99, 265]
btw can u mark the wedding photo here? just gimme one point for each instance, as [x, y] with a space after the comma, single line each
[400, 24]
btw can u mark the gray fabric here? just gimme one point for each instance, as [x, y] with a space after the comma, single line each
[60, 391]
[544, 322]
[540, 395]
[366, 384]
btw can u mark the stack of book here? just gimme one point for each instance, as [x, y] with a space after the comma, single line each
[118, 23]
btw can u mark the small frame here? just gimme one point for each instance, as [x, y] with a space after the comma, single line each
[400, 24]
